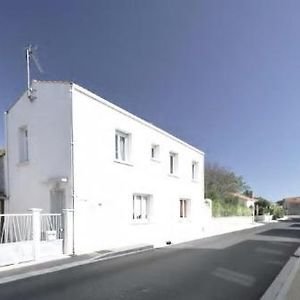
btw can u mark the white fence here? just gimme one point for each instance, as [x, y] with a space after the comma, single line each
[51, 227]
[15, 228]
[25, 237]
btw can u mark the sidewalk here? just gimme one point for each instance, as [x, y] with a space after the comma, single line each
[26, 270]
[286, 285]
[294, 291]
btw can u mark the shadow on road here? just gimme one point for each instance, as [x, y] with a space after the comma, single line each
[295, 225]
[287, 233]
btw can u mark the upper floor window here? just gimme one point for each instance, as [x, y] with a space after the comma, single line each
[23, 144]
[173, 163]
[195, 170]
[155, 152]
[122, 146]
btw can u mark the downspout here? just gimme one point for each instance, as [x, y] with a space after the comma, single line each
[6, 162]
[72, 165]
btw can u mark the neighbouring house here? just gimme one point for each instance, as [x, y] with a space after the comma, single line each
[245, 200]
[291, 205]
[128, 181]
[2, 181]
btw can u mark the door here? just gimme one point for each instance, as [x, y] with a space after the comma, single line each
[57, 201]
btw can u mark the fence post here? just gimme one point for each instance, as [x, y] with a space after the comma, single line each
[36, 231]
[68, 231]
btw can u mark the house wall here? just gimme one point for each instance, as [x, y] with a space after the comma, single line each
[104, 188]
[292, 208]
[48, 119]
[2, 177]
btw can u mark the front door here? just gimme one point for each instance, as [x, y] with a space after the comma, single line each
[57, 198]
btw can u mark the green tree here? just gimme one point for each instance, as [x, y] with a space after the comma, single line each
[221, 183]
[263, 205]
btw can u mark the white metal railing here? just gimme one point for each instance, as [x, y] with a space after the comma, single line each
[51, 227]
[15, 228]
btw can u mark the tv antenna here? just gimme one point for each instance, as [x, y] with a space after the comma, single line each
[30, 56]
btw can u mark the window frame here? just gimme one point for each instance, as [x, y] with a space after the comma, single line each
[154, 152]
[173, 163]
[184, 209]
[23, 140]
[141, 214]
[122, 149]
[195, 171]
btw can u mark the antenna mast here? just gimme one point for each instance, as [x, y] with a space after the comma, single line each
[30, 55]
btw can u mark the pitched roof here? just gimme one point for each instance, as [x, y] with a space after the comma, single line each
[243, 197]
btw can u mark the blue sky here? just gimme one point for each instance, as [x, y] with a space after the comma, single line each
[222, 75]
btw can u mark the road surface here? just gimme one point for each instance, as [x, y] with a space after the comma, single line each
[232, 266]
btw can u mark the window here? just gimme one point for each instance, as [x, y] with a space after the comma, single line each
[141, 207]
[173, 163]
[184, 208]
[121, 146]
[155, 152]
[23, 144]
[195, 170]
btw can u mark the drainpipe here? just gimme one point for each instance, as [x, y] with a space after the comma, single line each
[72, 165]
[6, 162]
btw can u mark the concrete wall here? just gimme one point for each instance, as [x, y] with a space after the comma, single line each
[223, 225]
[48, 119]
[104, 188]
[292, 208]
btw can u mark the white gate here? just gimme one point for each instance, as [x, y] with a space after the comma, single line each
[25, 237]
[51, 235]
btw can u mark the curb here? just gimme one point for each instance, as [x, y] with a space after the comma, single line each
[106, 256]
[124, 252]
[283, 281]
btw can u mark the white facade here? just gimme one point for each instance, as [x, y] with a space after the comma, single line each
[112, 167]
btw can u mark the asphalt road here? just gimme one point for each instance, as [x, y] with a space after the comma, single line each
[233, 266]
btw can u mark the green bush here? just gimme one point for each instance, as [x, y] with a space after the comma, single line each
[223, 209]
[277, 211]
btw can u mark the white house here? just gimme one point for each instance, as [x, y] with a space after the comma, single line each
[128, 181]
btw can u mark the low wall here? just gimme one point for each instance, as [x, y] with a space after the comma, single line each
[13, 253]
[227, 224]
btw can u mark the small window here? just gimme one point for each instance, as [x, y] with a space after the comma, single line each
[23, 145]
[184, 208]
[141, 207]
[121, 146]
[155, 152]
[195, 170]
[173, 163]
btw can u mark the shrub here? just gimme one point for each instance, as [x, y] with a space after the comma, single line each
[277, 211]
[223, 209]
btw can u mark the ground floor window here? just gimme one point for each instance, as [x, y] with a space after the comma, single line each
[141, 207]
[184, 208]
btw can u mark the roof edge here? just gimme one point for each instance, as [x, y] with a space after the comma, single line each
[132, 116]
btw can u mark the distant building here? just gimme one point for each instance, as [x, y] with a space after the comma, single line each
[245, 200]
[291, 205]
